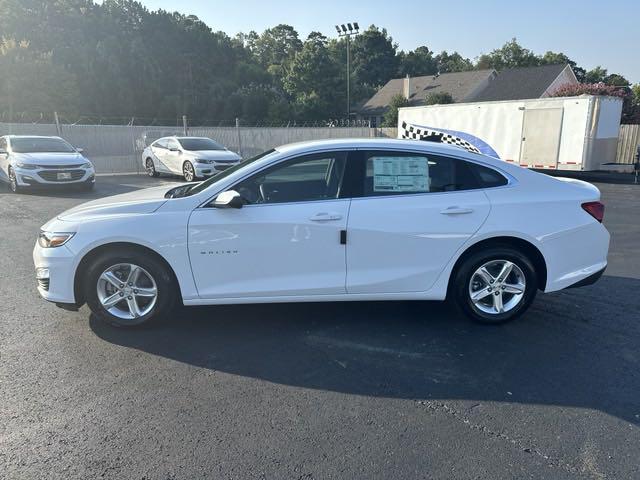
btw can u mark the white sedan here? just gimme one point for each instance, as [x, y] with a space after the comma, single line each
[192, 157]
[31, 161]
[332, 220]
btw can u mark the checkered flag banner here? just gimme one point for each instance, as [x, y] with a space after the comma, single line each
[450, 137]
[413, 132]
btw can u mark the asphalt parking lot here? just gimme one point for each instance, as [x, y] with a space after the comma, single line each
[315, 391]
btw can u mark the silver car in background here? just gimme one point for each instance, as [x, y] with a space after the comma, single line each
[32, 161]
[191, 157]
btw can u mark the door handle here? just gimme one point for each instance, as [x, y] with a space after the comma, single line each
[325, 217]
[456, 211]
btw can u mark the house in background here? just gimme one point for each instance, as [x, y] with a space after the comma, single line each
[471, 86]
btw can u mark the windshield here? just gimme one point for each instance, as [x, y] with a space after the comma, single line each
[199, 144]
[40, 145]
[199, 187]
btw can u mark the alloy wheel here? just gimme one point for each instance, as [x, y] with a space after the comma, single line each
[13, 181]
[188, 172]
[497, 287]
[127, 291]
[151, 169]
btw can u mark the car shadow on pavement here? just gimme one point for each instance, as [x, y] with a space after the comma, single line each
[575, 348]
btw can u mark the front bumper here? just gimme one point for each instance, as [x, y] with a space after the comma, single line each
[55, 267]
[211, 169]
[46, 177]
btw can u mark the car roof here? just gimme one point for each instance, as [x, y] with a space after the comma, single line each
[33, 136]
[372, 143]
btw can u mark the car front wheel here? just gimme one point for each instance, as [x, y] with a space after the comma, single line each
[495, 285]
[188, 172]
[13, 181]
[151, 168]
[129, 289]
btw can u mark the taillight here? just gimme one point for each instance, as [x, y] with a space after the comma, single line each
[595, 209]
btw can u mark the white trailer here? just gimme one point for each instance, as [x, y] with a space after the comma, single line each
[564, 133]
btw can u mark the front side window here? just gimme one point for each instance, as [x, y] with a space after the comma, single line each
[308, 178]
[40, 145]
[173, 144]
[402, 173]
[162, 143]
[3, 144]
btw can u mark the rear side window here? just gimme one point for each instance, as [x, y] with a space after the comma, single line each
[402, 173]
[488, 177]
[162, 143]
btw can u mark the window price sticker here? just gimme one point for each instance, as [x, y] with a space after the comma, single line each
[400, 174]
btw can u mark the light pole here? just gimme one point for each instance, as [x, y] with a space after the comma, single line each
[347, 31]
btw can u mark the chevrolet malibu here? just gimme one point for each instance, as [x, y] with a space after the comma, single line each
[334, 220]
[29, 161]
[192, 157]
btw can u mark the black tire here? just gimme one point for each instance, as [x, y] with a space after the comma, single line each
[164, 281]
[151, 168]
[13, 182]
[189, 172]
[460, 292]
[88, 186]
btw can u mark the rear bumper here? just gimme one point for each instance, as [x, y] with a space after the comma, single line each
[590, 280]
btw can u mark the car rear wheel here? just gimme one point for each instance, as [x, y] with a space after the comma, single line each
[495, 285]
[129, 289]
[13, 181]
[188, 171]
[151, 168]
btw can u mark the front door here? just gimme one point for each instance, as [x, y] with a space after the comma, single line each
[286, 240]
[415, 212]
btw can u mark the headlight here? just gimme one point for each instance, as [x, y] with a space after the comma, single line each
[87, 165]
[54, 239]
[26, 166]
[203, 160]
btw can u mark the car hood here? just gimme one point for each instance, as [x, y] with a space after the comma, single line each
[217, 155]
[49, 158]
[143, 201]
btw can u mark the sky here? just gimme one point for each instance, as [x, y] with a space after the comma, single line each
[592, 33]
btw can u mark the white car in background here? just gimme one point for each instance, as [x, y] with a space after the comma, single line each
[32, 161]
[333, 220]
[191, 157]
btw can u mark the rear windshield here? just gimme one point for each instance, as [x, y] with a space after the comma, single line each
[199, 144]
[40, 145]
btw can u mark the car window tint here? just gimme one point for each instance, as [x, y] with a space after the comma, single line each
[402, 173]
[308, 178]
[172, 144]
[488, 177]
[162, 143]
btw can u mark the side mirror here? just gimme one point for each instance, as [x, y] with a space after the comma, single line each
[79, 150]
[229, 199]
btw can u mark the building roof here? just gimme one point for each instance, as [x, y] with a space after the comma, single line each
[461, 86]
[472, 86]
[520, 83]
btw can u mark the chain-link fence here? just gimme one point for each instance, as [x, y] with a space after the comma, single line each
[118, 148]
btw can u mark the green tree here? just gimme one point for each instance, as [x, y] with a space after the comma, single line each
[510, 55]
[312, 80]
[374, 60]
[391, 116]
[417, 62]
[595, 75]
[454, 62]
[441, 98]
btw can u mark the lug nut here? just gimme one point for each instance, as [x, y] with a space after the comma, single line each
[497, 293]
[130, 284]
[122, 285]
[136, 291]
[121, 294]
[129, 297]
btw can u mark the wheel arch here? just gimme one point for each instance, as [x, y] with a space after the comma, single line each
[117, 246]
[526, 247]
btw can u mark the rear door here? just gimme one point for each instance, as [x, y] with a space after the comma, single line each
[541, 137]
[414, 212]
